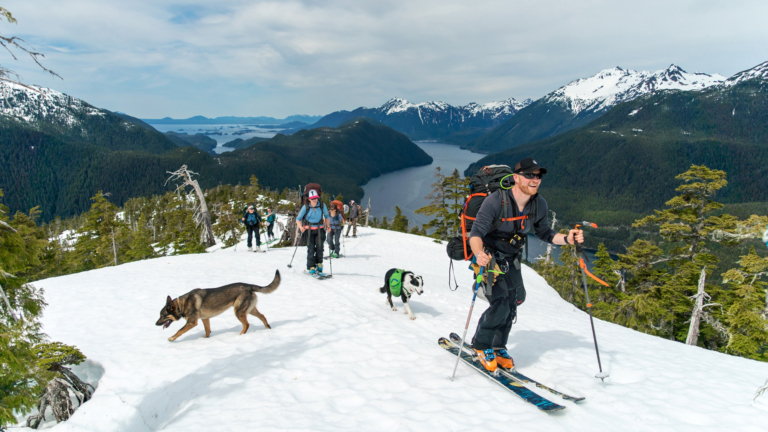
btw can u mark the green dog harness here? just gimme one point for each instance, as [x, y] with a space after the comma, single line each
[396, 282]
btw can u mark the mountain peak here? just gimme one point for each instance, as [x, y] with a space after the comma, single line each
[758, 72]
[612, 86]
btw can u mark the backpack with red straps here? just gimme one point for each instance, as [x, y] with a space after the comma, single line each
[486, 181]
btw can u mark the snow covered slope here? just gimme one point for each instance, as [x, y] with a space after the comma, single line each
[584, 100]
[760, 72]
[338, 359]
[613, 86]
[30, 104]
[433, 120]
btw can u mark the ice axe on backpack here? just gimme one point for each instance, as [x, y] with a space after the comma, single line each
[584, 272]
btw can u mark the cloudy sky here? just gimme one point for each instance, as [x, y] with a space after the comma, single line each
[159, 58]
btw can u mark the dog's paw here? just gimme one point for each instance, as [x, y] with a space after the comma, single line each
[413, 317]
[394, 308]
[269, 327]
[171, 339]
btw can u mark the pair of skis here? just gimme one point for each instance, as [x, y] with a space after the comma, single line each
[510, 379]
[318, 276]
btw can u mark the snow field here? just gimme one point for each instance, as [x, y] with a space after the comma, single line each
[338, 358]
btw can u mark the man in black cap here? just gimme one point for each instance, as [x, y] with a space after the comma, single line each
[499, 250]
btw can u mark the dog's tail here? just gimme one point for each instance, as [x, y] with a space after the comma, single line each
[383, 290]
[269, 288]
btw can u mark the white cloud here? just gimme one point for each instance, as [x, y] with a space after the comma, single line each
[154, 58]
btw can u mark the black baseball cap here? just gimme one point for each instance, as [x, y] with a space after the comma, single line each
[528, 165]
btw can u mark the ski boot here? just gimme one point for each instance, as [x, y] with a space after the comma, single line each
[487, 359]
[312, 272]
[503, 359]
[334, 255]
[319, 272]
[250, 249]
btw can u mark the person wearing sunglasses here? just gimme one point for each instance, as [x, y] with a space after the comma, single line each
[497, 238]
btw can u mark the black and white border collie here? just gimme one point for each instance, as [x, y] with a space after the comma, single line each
[411, 284]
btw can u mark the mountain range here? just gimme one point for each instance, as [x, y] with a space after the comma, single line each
[582, 101]
[57, 151]
[235, 120]
[437, 121]
[624, 164]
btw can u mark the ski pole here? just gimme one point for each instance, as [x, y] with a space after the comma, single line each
[298, 238]
[582, 256]
[478, 281]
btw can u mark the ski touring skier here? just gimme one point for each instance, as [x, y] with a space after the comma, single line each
[354, 214]
[313, 218]
[336, 222]
[252, 220]
[497, 242]
[270, 223]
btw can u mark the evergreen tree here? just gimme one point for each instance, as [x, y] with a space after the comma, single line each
[228, 227]
[438, 208]
[399, 222]
[687, 224]
[746, 317]
[21, 305]
[140, 246]
[97, 246]
[605, 298]
[384, 223]
[643, 307]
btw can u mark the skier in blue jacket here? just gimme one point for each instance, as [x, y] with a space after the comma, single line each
[314, 220]
[252, 220]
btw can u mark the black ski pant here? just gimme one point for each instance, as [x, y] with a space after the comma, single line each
[315, 247]
[496, 322]
[253, 229]
[334, 244]
[270, 230]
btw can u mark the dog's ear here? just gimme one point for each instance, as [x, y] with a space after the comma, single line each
[169, 303]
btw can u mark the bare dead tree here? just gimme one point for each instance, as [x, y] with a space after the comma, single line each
[202, 216]
[12, 42]
[698, 310]
[549, 246]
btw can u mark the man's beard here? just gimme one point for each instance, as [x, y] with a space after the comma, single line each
[527, 190]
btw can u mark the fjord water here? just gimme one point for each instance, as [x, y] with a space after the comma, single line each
[221, 133]
[408, 188]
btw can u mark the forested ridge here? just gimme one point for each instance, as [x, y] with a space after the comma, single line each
[60, 173]
[623, 164]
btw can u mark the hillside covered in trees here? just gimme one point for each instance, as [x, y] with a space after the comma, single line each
[60, 172]
[623, 164]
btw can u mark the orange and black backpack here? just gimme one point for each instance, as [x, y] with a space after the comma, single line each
[486, 181]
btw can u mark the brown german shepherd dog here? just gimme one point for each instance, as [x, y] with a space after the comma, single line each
[204, 304]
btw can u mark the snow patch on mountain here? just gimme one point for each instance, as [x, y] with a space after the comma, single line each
[493, 110]
[613, 86]
[31, 104]
[760, 71]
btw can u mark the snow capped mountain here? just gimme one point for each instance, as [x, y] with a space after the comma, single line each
[759, 71]
[433, 120]
[32, 104]
[505, 108]
[583, 100]
[613, 86]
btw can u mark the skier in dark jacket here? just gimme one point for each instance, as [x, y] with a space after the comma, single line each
[336, 222]
[252, 220]
[271, 218]
[352, 219]
[501, 248]
[314, 220]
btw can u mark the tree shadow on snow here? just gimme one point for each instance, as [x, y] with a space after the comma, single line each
[527, 346]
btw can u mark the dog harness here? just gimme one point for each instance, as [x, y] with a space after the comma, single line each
[396, 282]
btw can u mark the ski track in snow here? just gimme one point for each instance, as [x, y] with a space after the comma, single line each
[337, 358]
